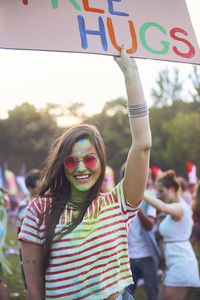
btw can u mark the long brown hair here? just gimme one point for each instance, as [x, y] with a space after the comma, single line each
[55, 184]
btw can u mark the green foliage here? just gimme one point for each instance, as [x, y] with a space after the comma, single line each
[183, 132]
[25, 137]
[175, 135]
[14, 282]
[168, 88]
[195, 78]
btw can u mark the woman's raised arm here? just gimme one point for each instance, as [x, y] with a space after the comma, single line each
[175, 210]
[137, 165]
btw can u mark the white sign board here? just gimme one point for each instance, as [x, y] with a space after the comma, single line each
[155, 29]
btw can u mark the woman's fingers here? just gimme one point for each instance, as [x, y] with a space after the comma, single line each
[123, 50]
[124, 61]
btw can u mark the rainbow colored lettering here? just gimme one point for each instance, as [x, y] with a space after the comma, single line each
[102, 23]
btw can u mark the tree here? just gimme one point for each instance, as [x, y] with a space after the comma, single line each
[195, 79]
[168, 88]
[25, 137]
[174, 129]
[183, 133]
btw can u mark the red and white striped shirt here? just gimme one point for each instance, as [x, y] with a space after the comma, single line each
[92, 261]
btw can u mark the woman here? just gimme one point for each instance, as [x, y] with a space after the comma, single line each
[181, 264]
[80, 234]
[195, 238]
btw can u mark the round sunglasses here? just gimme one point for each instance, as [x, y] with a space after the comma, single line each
[89, 160]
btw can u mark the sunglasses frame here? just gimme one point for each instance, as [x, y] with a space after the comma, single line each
[76, 161]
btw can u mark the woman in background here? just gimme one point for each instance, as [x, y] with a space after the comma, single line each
[181, 264]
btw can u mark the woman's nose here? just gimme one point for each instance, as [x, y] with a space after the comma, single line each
[81, 166]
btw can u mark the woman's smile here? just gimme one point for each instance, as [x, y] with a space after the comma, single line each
[82, 178]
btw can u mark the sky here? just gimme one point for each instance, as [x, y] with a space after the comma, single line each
[41, 77]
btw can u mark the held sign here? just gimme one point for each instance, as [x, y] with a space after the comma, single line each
[155, 29]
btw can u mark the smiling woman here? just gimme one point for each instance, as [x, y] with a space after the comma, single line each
[74, 238]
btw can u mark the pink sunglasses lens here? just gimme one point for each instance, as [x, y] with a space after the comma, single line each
[90, 160]
[70, 162]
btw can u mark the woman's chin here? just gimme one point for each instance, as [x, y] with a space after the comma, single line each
[83, 186]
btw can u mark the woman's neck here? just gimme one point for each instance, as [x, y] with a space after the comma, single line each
[78, 196]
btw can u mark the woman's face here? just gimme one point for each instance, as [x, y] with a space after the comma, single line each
[82, 166]
[164, 193]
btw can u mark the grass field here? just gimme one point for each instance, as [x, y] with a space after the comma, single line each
[15, 284]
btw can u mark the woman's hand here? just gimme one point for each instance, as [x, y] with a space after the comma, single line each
[125, 63]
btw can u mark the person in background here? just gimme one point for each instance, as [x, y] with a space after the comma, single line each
[3, 226]
[32, 180]
[184, 191]
[181, 264]
[195, 238]
[73, 238]
[109, 180]
[143, 250]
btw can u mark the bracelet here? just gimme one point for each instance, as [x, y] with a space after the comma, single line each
[137, 110]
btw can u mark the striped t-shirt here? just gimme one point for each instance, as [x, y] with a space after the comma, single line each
[92, 261]
[22, 212]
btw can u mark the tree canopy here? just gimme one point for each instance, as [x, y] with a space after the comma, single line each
[25, 137]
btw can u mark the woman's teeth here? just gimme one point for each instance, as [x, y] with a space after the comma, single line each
[82, 176]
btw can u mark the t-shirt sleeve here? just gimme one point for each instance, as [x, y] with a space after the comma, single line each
[128, 211]
[32, 229]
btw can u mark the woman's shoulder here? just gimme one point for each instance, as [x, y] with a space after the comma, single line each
[184, 205]
[40, 203]
[187, 210]
[105, 198]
